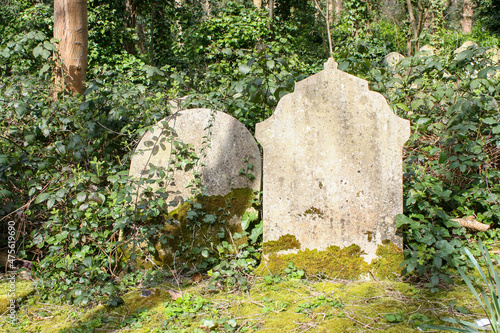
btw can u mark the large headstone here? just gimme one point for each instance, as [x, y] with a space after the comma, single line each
[332, 165]
[202, 154]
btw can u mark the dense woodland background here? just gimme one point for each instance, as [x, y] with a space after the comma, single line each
[65, 146]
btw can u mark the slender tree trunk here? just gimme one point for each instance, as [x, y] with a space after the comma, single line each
[331, 10]
[152, 38]
[207, 8]
[414, 28]
[71, 28]
[271, 13]
[130, 22]
[467, 14]
[141, 43]
[338, 10]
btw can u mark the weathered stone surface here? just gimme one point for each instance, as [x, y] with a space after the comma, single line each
[332, 165]
[426, 50]
[219, 156]
[466, 45]
[392, 59]
[494, 55]
[223, 144]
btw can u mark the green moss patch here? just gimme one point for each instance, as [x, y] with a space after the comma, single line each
[312, 305]
[199, 225]
[22, 289]
[387, 265]
[346, 263]
[285, 242]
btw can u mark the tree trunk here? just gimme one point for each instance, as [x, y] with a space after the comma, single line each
[71, 28]
[413, 44]
[271, 13]
[338, 10]
[467, 14]
[130, 23]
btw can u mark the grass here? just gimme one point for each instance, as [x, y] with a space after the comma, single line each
[279, 305]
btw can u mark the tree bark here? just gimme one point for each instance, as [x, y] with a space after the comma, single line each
[271, 13]
[338, 9]
[130, 23]
[467, 14]
[71, 28]
[414, 28]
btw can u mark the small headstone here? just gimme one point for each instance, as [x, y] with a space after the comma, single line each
[427, 50]
[205, 156]
[332, 165]
[223, 150]
[392, 59]
[494, 55]
[465, 46]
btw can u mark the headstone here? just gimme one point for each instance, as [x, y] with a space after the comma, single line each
[392, 59]
[465, 46]
[332, 165]
[427, 50]
[494, 55]
[201, 154]
[224, 146]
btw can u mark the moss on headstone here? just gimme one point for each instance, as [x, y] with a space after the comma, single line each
[346, 263]
[201, 224]
[285, 242]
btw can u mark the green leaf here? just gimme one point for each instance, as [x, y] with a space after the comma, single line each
[37, 51]
[244, 69]
[43, 70]
[51, 202]
[87, 261]
[42, 197]
[80, 197]
[270, 64]
[247, 218]
[467, 54]
[402, 106]
[84, 106]
[256, 232]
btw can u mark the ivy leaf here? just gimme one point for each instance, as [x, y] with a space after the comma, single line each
[42, 197]
[244, 69]
[37, 51]
[247, 218]
[256, 232]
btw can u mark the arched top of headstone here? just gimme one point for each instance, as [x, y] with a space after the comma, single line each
[333, 164]
[224, 152]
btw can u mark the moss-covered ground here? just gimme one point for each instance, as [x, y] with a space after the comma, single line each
[276, 304]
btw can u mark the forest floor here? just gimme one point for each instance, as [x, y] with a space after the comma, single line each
[277, 304]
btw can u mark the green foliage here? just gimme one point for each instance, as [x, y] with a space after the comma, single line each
[486, 294]
[451, 165]
[64, 161]
[319, 301]
[234, 63]
[237, 263]
[293, 273]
